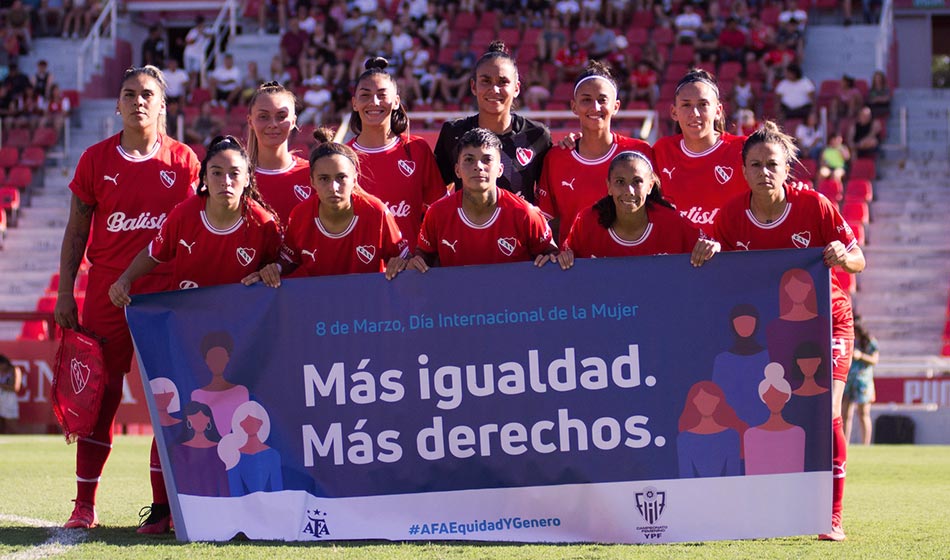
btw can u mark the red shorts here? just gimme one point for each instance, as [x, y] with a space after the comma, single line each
[841, 351]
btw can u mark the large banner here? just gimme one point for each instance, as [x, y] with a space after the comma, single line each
[625, 400]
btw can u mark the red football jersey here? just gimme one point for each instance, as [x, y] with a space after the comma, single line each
[202, 255]
[699, 184]
[404, 175]
[284, 189]
[667, 233]
[371, 239]
[516, 232]
[809, 220]
[132, 195]
[570, 182]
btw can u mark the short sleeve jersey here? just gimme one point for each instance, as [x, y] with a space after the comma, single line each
[132, 195]
[371, 239]
[202, 255]
[570, 182]
[516, 232]
[667, 233]
[404, 175]
[698, 184]
[809, 220]
[522, 153]
[284, 189]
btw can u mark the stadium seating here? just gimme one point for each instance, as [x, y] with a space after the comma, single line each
[832, 189]
[863, 168]
[45, 137]
[858, 190]
[856, 212]
[33, 157]
[9, 156]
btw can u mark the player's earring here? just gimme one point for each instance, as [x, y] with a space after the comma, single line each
[117, 112]
[188, 423]
[208, 429]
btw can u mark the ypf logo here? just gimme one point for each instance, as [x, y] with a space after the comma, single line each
[507, 245]
[650, 504]
[302, 192]
[366, 253]
[245, 255]
[407, 167]
[316, 524]
[79, 375]
[723, 174]
[168, 178]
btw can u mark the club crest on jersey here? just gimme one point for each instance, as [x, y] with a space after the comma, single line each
[723, 174]
[79, 375]
[187, 285]
[407, 167]
[366, 253]
[801, 239]
[245, 256]
[524, 156]
[167, 177]
[507, 245]
[302, 192]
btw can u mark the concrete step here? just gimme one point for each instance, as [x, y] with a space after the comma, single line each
[831, 48]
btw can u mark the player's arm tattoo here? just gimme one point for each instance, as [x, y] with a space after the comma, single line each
[74, 241]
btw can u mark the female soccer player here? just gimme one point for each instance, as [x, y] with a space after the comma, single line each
[342, 230]
[217, 237]
[701, 165]
[482, 223]
[524, 142]
[572, 179]
[282, 177]
[633, 219]
[398, 168]
[123, 189]
[775, 216]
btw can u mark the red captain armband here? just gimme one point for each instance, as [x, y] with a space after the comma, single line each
[79, 380]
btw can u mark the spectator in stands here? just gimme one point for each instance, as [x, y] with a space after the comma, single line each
[292, 43]
[226, 82]
[774, 64]
[196, 45]
[551, 40]
[47, 16]
[745, 122]
[739, 10]
[432, 28]
[17, 81]
[30, 108]
[432, 84]
[834, 158]
[408, 84]
[864, 135]
[568, 12]
[602, 41]
[809, 137]
[250, 82]
[72, 19]
[402, 40]
[761, 39]
[687, 24]
[306, 18]
[19, 16]
[417, 58]
[848, 101]
[206, 126]
[456, 84]
[11, 381]
[616, 12]
[178, 81]
[652, 55]
[732, 42]
[796, 94]
[154, 48]
[570, 61]
[465, 56]
[742, 95]
[792, 12]
[173, 110]
[268, 10]
[57, 110]
[707, 42]
[879, 95]
[317, 104]
[381, 22]
[538, 81]
[791, 38]
[859, 388]
[43, 79]
[277, 71]
[644, 84]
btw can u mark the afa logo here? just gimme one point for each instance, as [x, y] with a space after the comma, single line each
[316, 525]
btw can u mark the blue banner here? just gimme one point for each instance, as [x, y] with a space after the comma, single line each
[355, 407]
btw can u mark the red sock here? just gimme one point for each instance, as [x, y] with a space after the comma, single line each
[159, 495]
[839, 460]
[92, 451]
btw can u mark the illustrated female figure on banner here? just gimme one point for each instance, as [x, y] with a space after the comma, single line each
[807, 408]
[168, 403]
[222, 396]
[710, 438]
[252, 465]
[737, 370]
[774, 446]
[198, 470]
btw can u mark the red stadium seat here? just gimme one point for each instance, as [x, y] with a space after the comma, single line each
[9, 156]
[769, 15]
[832, 189]
[20, 177]
[45, 137]
[682, 54]
[642, 19]
[663, 36]
[33, 157]
[863, 168]
[531, 36]
[674, 72]
[53, 284]
[859, 189]
[809, 166]
[827, 91]
[465, 21]
[74, 97]
[482, 37]
[17, 137]
[199, 96]
[199, 150]
[34, 330]
[563, 93]
[527, 53]
[856, 211]
[637, 36]
[511, 37]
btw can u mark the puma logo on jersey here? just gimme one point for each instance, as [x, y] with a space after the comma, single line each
[167, 177]
[114, 179]
[245, 255]
[406, 166]
[450, 245]
[302, 192]
[187, 285]
[801, 239]
[507, 245]
[744, 245]
[669, 172]
[366, 253]
[186, 245]
[569, 185]
[723, 174]
[313, 254]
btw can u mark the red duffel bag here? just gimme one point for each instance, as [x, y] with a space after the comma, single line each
[78, 384]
